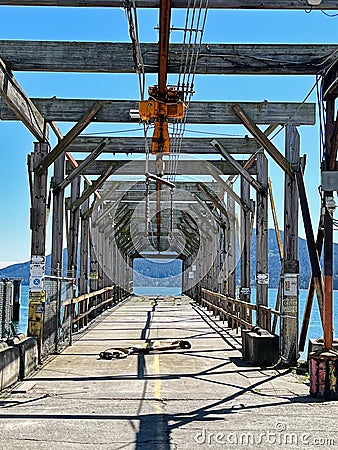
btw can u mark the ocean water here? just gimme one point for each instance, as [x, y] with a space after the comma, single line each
[315, 329]
[157, 290]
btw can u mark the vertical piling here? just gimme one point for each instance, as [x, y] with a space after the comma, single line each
[262, 275]
[290, 291]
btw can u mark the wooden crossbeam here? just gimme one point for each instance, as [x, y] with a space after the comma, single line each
[245, 59]
[213, 199]
[91, 189]
[68, 138]
[21, 105]
[217, 4]
[80, 168]
[235, 164]
[131, 145]
[263, 140]
[118, 111]
[270, 129]
[229, 190]
[316, 276]
[137, 167]
[69, 155]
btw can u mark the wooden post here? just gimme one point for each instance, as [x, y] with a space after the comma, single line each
[328, 227]
[222, 250]
[94, 274]
[245, 243]
[58, 215]
[74, 229]
[262, 275]
[100, 258]
[231, 256]
[57, 237]
[290, 291]
[84, 249]
[37, 294]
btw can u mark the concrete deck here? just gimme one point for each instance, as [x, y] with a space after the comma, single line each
[202, 398]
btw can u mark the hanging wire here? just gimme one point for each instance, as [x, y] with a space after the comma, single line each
[192, 40]
[131, 14]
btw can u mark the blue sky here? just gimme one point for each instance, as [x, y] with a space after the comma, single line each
[102, 24]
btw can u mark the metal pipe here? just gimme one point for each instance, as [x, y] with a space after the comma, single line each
[164, 31]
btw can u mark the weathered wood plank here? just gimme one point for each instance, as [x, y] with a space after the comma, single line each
[263, 140]
[218, 4]
[235, 164]
[138, 167]
[263, 113]
[80, 168]
[131, 145]
[262, 232]
[69, 138]
[292, 59]
[290, 303]
[20, 104]
[39, 200]
[91, 189]
[245, 236]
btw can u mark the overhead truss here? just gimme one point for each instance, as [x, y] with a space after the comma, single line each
[224, 59]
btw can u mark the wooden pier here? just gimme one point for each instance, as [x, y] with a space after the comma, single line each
[108, 211]
[204, 397]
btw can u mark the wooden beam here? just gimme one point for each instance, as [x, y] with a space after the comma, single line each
[311, 292]
[39, 200]
[263, 113]
[245, 59]
[73, 235]
[214, 4]
[230, 256]
[209, 210]
[58, 218]
[69, 156]
[138, 167]
[228, 188]
[273, 151]
[91, 189]
[131, 145]
[237, 166]
[214, 200]
[84, 250]
[270, 129]
[68, 138]
[311, 244]
[290, 302]
[21, 105]
[85, 163]
[262, 233]
[245, 237]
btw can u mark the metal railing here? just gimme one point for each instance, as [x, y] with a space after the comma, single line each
[237, 312]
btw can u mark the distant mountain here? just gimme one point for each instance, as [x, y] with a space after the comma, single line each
[275, 265]
[22, 270]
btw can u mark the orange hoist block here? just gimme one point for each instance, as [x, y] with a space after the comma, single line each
[152, 109]
[161, 140]
[160, 107]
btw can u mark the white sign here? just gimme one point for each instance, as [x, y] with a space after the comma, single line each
[191, 275]
[262, 278]
[245, 291]
[37, 273]
[290, 285]
[193, 268]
